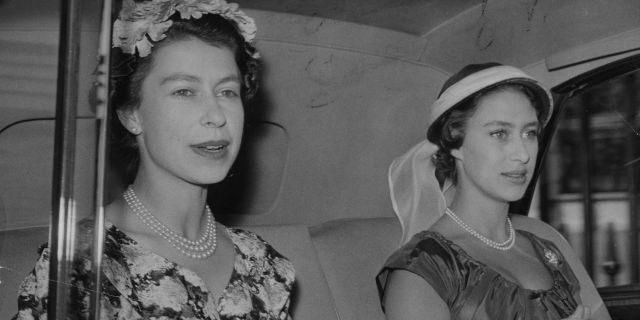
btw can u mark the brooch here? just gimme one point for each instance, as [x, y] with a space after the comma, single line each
[551, 257]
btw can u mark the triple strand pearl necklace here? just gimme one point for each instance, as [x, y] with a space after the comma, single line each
[503, 246]
[201, 248]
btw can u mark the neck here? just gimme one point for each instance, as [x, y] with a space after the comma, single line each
[177, 204]
[487, 217]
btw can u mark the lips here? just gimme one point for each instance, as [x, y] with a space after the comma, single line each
[213, 149]
[517, 176]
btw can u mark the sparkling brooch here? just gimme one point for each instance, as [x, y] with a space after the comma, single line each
[551, 257]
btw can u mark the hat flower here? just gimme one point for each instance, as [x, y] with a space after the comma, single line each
[144, 22]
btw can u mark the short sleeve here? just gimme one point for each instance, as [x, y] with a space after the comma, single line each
[431, 259]
[34, 290]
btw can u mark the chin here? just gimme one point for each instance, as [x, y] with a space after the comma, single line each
[514, 197]
[214, 178]
[511, 194]
[208, 176]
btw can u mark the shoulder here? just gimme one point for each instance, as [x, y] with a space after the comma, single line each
[409, 297]
[549, 237]
[540, 229]
[430, 256]
[267, 274]
[254, 250]
[423, 245]
[34, 289]
[251, 244]
[419, 277]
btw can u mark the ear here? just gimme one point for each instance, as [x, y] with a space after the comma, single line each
[130, 120]
[457, 154]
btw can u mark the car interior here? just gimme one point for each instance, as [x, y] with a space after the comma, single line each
[346, 88]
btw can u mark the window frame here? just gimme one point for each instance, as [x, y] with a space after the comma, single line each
[620, 295]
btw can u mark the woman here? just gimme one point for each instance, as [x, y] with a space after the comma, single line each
[179, 90]
[464, 256]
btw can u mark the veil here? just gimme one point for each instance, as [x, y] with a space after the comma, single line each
[417, 198]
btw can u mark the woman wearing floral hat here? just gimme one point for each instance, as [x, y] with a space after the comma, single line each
[179, 85]
[463, 255]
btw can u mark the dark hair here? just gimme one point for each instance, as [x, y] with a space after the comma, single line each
[452, 125]
[129, 71]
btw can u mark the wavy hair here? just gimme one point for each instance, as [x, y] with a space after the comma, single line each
[453, 123]
[129, 71]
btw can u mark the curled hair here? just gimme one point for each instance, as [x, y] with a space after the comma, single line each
[129, 71]
[451, 127]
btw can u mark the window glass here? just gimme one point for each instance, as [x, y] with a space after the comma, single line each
[29, 44]
[591, 177]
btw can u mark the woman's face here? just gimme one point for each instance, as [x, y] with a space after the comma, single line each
[191, 115]
[499, 149]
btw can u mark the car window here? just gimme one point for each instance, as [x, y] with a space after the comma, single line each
[590, 181]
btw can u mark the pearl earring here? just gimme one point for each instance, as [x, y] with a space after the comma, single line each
[134, 130]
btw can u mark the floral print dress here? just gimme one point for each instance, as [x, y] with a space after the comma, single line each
[139, 284]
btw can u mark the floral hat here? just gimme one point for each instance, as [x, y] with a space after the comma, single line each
[143, 22]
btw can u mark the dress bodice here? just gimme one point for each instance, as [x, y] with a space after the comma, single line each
[473, 290]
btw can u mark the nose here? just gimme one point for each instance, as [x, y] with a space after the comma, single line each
[522, 150]
[214, 116]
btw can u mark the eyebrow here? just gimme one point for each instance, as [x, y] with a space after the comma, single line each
[179, 77]
[510, 125]
[192, 78]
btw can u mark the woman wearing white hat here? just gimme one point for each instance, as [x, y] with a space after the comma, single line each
[463, 255]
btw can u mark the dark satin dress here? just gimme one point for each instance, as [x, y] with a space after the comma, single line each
[472, 290]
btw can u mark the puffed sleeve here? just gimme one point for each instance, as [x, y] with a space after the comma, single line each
[33, 292]
[431, 259]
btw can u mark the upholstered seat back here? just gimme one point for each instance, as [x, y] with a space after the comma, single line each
[351, 252]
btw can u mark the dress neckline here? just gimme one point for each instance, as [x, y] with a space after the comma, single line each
[537, 245]
[201, 282]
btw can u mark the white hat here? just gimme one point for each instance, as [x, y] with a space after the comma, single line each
[416, 195]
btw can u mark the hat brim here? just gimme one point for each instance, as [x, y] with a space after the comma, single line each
[483, 81]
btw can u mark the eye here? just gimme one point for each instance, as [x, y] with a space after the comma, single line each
[228, 93]
[500, 134]
[183, 93]
[532, 134]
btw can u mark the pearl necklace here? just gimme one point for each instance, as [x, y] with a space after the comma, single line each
[503, 246]
[201, 248]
